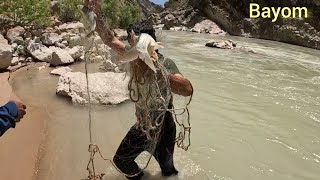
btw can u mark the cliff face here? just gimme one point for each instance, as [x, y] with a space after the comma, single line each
[233, 17]
[147, 7]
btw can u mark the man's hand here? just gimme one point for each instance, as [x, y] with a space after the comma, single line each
[21, 110]
[102, 28]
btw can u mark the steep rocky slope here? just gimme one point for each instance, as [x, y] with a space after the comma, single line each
[147, 7]
[233, 17]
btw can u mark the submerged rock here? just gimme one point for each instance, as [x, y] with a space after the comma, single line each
[229, 44]
[178, 28]
[15, 34]
[105, 88]
[41, 67]
[248, 50]
[50, 39]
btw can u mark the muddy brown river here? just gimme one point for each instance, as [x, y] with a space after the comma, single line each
[254, 115]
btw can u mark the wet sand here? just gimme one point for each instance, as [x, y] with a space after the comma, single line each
[20, 146]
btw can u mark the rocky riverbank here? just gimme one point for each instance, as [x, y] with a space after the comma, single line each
[60, 46]
[57, 46]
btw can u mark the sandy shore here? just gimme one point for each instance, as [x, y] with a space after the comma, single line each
[20, 146]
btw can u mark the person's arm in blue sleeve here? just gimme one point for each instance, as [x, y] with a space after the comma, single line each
[8, 116]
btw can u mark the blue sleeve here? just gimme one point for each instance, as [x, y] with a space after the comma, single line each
[8, 114]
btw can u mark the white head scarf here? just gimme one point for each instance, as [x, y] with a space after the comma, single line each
[143, 49]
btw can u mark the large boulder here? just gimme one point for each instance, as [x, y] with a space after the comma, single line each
[105, 88]
[60, 57]
[50, 39]
[5, 53]
[207, 26]
[39, 51]
[15, 34]
[170, 21]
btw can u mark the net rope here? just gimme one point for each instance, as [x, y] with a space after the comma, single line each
[154, 105]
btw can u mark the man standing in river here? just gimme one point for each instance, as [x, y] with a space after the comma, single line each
[143, 77]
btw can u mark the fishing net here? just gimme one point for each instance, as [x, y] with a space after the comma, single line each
[154, 105]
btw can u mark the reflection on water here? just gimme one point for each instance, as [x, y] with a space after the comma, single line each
[254, 115]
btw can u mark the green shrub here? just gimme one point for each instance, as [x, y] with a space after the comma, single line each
[118, 15]
[110, 10]
[114, 13]
[129, 14]
[69, 11]
[26, 12]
